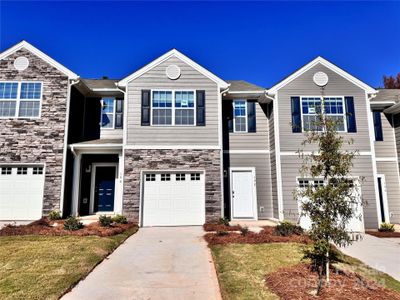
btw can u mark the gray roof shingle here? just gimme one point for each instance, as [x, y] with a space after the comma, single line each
[387, 95]
[243, 86]
[100, 83]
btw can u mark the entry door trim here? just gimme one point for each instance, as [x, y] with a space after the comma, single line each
[384, 197]
[253, 172]
[93, 183]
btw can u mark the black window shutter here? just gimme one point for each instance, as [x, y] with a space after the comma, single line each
[378, 125]
[296, 115]
[350, 114]
[145, 107]
[229, 115]
[251, 116]
[119, 113]
[200, 108]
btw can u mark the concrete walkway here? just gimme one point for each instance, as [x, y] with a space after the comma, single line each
[155, 263]
[381, 254]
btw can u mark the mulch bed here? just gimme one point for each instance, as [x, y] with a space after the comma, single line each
[267, 235]
[299, 282]
[220, 227]
[384, 234]
[45, 227]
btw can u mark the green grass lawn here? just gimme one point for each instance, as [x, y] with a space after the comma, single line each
[242, 268]
[45, 267]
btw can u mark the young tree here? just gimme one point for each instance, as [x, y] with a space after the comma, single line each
[330, 203]
[391, 82]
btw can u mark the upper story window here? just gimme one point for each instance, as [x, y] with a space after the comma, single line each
[173, 108]
[334, 109]
[239, 116]
[377, 125]
[111, 113]
[20, 99]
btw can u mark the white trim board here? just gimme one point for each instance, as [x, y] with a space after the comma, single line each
[173, 53]
[173, 147]
[329, 65]
[247, 151]
[40, 54]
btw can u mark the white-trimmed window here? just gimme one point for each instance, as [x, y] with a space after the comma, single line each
[111, 113]
[173, 108]
[239, 116]
[334, 109]
[20, 99]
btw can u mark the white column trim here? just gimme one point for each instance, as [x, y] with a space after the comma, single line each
[76, 184]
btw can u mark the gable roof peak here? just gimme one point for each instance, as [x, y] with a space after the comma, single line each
[24, 44]
[223, 84]
[319, 59]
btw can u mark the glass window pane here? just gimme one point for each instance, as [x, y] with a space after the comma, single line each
[107, 120]
[240, 124]
[29, 108]
[7, 108]
[184, 99]
[31, 90]
[108, 105]
[184, 117]
[162, 99]
[162, 116]
[8, 90]
[239, 108]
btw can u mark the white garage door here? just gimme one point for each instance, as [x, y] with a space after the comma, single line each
[355, 224]
[173, 199]
[21, 192]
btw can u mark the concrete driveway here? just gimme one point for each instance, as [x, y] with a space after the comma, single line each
[156, 263]
[379, 253]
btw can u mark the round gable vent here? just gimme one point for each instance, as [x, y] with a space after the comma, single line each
[173, 72]
[21, 63]
[320, 78]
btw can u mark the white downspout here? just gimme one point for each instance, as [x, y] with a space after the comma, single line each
[71, 82]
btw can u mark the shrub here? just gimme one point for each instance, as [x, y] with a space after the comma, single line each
[120, 219]
[223, 221]
[55, 215]
[244, 230]
[286, 228]
[105, 221]
[72, 223]
[222, 233]
[386, 227]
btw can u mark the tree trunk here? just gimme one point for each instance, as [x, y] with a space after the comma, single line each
[327, 267]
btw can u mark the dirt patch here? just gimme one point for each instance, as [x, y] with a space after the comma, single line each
[300, 282]
[220, 227]
[384, 234]
[56, 228]
[267, 235]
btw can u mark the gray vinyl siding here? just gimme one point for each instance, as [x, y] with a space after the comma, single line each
[253, 140]
[274, 187]
[387, 147]
[111, 133]
[156, 78]
[362, 167]
[263, 179]
[337, 86]
[389, 169]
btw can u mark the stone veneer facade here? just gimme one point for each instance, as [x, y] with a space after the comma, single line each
[41, 140]
[138, 160]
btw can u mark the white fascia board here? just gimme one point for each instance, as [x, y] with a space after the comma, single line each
[40, 54]
[221, 83]
[329, 65]
[393, 109]
[246, 92]
[99, 146]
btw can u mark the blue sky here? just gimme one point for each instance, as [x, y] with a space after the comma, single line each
[261, 42]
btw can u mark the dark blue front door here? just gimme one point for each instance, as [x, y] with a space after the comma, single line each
[104, 189]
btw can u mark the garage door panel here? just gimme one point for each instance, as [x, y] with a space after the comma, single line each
[21, 195]
[173, 199]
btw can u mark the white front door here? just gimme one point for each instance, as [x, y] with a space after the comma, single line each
[242, 193]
